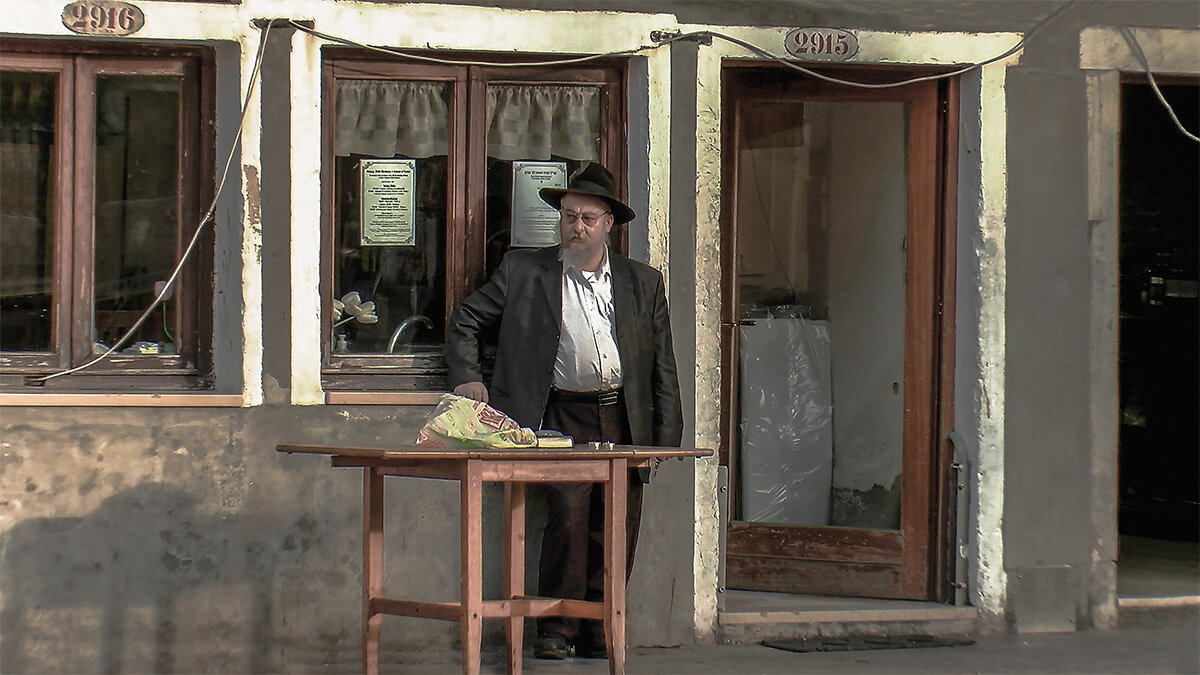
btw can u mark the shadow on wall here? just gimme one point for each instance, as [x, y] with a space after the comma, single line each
[135, 573]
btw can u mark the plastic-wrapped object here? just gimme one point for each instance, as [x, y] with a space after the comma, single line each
[460, 422]
[786, 419]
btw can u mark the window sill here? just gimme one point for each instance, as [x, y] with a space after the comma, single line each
[383, 397]
[56, 399]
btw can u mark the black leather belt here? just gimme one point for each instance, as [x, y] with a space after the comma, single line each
[610, 397]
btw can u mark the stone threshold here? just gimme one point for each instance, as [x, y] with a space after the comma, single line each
[752, 616]
[1174, 601]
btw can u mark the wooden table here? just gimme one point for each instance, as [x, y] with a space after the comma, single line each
[514, 468]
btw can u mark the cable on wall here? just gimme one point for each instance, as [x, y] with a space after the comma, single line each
[191, 247]
[1141, 57]
[662, 38]
[1041, 25]
[456, 62]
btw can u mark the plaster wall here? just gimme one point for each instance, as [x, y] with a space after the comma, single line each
[168, 540]
[159, 533]
[143, 540]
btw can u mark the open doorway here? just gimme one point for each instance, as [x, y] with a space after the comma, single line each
[1159, 369]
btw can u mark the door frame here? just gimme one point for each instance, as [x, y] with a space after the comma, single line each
[910, 563]
[1104, 55]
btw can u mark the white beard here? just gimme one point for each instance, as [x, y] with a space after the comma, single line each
[576, 256]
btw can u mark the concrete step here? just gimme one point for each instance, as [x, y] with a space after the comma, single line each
[751, 616]
[1157, 612]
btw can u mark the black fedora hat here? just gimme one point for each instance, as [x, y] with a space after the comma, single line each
[591, 179]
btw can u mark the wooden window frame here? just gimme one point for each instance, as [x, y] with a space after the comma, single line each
[78, 64]
[466, 217]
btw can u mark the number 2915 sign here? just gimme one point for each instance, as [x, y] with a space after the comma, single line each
[103, 17]
[821, 44]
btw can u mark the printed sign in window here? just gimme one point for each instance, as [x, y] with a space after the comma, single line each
[388, 213]
[534, 222]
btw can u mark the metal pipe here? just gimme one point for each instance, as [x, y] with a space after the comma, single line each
[403, 330]
[961, 515]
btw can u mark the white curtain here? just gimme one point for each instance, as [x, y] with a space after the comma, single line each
[535, 122]
[382, 118]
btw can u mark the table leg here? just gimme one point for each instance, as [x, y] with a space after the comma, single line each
[372, 577]
[514, 568]
[471, 565]
[616, 494]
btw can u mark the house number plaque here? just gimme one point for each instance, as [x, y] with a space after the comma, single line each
[821, 44]
[103, 17]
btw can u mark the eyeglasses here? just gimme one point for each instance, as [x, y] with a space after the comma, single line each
[589, 219]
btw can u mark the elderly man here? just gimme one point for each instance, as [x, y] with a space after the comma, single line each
[585, 348]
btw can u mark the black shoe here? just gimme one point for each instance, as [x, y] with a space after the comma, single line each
[592, 647]
[551, 646]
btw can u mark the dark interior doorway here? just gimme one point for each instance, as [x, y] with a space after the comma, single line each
[1158, 355]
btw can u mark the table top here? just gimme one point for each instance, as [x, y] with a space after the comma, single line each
[578, 452]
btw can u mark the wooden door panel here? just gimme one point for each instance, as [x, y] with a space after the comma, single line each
[829, 544]
[814, 577]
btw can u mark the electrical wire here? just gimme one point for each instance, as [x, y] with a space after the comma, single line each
[490, 64]
[1039, 27]
[212, 207]
[697, 35]
[1141, 57]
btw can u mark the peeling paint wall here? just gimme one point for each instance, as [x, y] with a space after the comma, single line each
[144, 540]
[179, 540]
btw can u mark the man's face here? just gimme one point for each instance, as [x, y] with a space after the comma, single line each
[584, 222]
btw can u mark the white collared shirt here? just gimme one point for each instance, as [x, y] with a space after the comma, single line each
[587, 345]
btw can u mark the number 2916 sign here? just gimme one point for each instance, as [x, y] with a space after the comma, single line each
[821, 44]
[103, 17]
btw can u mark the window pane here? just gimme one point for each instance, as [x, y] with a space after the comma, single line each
[136, 209]
[396, 258]
[822, 205]
[28, 143]
[533, 123]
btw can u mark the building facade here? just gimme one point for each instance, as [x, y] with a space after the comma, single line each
[897, 279]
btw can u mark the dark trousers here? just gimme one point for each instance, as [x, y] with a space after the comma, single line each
[572, 562]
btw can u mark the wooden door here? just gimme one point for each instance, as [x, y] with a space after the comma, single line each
[834, 347]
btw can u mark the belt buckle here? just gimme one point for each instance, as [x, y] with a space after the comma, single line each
[607, 397]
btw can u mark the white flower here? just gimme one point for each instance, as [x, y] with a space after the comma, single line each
[352, 304]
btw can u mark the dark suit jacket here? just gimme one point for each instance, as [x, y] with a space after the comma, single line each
[525, 297]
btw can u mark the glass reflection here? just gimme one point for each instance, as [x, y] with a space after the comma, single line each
[404, 283]
[28, 142]
[821, 209]
[137, 193]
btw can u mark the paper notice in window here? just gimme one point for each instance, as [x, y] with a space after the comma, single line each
[534, 222]
[388, 213]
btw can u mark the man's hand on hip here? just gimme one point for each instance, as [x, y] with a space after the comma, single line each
[474, 390]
